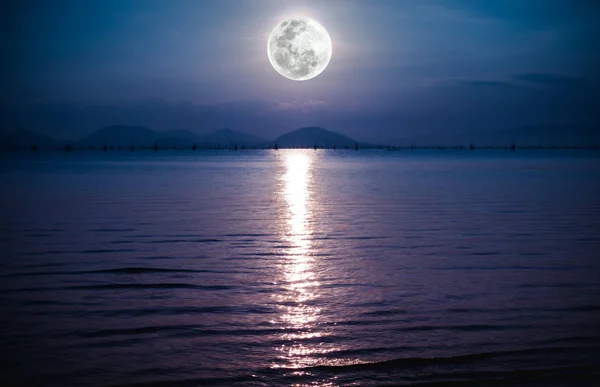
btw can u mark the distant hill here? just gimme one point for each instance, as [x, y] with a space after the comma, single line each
[140, 136]
[229, 138]
[538, 135]
[143, 137]
[311, 136]
[179, 133]
[26, 139]
[120, 136]
[548, 135]
[177, 138]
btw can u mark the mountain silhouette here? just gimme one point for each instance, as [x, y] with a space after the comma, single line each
[140, 136]
[177, 138]
[229, 138]
[310, 136]
[534, 135]
[179, 133]
[23, 138]
[120, 136]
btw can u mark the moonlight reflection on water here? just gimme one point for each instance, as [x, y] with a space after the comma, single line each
[300, 316]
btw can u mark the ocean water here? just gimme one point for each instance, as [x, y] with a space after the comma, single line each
[300, 267]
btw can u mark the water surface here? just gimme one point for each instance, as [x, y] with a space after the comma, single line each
[300, 267]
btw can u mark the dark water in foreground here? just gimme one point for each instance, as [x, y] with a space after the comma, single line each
[300, 268]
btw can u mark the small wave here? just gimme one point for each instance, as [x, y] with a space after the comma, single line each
[578, 308]
[112, 230]
[554, 285]
[258, 255]
[207, 240]
[105, 251]
[92, 251]
[57, 302]
[247, 235]
[571, 339]
[163, 285]
[124, 270]
[142, 270]
[558, 376]
[178, 331]
[47, 252]
[136, 331]
[465, 328]
[46, 264]
[484, 253]
[189, 310]
[583, 308]
[413, 362]
[379, 313]
[324, 238]
[234, 380]
[360, 238]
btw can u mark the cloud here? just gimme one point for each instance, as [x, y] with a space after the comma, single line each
[480, 83]
[548, 79]
[439, 13]
[302, 106]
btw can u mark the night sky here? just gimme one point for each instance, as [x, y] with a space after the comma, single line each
[399, 68]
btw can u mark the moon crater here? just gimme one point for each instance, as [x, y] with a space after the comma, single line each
[299, 48]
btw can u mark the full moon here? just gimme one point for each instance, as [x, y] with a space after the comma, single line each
[299, 48]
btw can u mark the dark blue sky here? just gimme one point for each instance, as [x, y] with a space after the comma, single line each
[398, 68]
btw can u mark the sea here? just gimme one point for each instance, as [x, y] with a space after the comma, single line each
[300, 268]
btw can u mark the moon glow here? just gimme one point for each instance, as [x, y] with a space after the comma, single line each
[299, 48]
